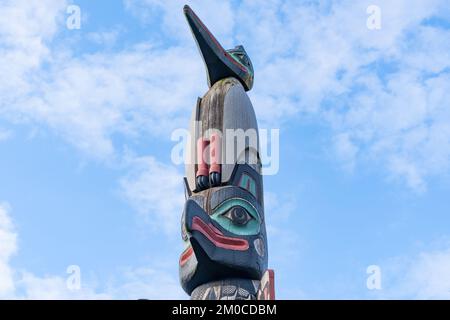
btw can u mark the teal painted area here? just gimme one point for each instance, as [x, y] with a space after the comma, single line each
[248, 184]
[251, 228]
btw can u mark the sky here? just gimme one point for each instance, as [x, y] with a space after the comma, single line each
[86, 118]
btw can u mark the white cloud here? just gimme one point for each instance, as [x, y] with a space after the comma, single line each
[90, 99]
[424, 276]
[217, 15]
[156, 191]
[87, 99]
[5, 134]
[129, 283]
[282, 205]
[345, 150]
[148, 283]
[8, 247]
[104, 38]
[23, 36]
[285, 245]
[52, 287]
[430, 276]
[384, 93]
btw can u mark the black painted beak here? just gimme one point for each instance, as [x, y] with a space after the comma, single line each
[219, 63]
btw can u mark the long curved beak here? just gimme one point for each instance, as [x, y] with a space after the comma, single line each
[219, 63]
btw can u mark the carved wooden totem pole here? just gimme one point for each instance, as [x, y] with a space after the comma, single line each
[223, 224]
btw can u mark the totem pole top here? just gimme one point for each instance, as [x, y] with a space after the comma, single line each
[220, 63]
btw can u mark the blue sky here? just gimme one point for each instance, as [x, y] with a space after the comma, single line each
[86, 118]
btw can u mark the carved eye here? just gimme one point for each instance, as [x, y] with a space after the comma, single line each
[243, 58]
[238, 215]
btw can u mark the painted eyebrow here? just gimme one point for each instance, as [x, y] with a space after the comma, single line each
[229, 203]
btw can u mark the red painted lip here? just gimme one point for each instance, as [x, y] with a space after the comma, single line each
[216, 237]
[186, 255]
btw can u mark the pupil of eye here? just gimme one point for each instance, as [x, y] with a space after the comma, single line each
[239, 216]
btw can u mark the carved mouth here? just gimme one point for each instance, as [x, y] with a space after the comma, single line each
[217, 237]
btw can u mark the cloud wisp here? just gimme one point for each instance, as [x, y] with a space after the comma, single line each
[129, 283]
